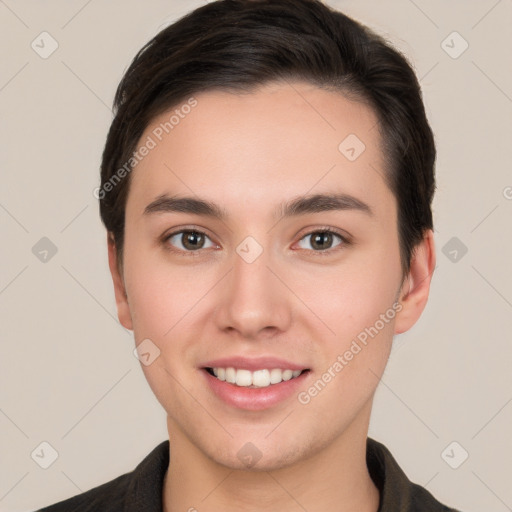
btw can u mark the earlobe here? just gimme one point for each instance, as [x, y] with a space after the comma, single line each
[414, 293]
[123, 308]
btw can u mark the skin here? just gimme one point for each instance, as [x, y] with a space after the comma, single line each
[248, 153]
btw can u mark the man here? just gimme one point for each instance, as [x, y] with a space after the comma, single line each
[266, 186]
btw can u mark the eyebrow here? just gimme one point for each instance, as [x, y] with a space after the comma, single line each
[299, 206]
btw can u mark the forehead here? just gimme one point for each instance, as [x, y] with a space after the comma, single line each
[252, 150]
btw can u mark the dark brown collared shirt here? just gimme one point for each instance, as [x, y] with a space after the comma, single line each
[141, 489]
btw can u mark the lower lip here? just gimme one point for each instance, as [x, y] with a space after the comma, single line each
[254, 399]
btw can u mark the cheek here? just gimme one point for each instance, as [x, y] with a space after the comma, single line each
[160, 294]
[358, 304]
[164, 301]
[352, 297]
[361, 311]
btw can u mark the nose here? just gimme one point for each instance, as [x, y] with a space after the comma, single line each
[254, 302]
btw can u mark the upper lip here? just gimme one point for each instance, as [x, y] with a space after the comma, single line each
[253, 363]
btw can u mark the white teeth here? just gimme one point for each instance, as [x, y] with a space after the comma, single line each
[287, 374]
[259, 378]
[243, 378]
[276, 376]
[230, 375]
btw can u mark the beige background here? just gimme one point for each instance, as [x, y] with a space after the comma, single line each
[68, 374]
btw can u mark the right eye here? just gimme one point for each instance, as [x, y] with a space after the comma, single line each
[188, 240]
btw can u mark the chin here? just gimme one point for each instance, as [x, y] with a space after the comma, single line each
[256, 461]
[255, 454]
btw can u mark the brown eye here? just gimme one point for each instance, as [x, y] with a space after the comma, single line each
[189, 240]
[322, 240]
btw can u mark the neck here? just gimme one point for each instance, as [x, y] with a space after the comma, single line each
[334, 479]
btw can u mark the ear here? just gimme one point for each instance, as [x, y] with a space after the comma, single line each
[123, 308]
[414, 292]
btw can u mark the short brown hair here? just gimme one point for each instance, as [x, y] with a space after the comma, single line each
[237, 45]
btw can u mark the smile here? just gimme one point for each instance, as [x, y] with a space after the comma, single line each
[254, 379]
[254, 390]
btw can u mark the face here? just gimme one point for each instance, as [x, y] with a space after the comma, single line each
[255, 275]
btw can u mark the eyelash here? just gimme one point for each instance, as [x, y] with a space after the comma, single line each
[344, 241]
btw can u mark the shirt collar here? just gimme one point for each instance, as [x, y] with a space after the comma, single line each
[397, 493]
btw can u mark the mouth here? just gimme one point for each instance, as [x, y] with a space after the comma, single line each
[262, 378]
[254, 383]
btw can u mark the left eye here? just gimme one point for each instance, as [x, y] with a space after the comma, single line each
[189, 240]
[321, 240]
